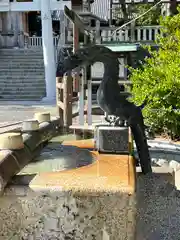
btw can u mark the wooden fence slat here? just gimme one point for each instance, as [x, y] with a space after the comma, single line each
[60, 105]
[67, 100]
[60, 85]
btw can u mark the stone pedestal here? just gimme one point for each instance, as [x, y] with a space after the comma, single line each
[110, 139]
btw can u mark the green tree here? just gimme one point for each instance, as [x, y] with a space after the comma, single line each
[151, 18]
[134, 10]
[158, 81]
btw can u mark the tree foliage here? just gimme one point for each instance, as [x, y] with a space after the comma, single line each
[151, 18]
[134, 10]
[158, 80]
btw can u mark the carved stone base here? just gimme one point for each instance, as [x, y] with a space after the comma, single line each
[112, 139]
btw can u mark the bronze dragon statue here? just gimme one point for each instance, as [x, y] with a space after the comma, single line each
[109, 97]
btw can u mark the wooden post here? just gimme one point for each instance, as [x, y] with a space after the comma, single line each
[67, 100]
[76, 78]
[81, 101]
[63, 29]
[89, 102]
[75, 37]
[125, 67]
[88, 91]
[132, 30]
[59, 98]
[110, 10]
[98, 34]
[81, 80]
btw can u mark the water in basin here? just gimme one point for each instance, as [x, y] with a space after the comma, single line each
[56, 157]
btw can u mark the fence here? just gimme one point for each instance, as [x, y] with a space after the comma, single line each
[138, 34]
[84, 108]
[35, 41]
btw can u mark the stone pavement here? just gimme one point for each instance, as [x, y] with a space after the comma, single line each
[19, 111]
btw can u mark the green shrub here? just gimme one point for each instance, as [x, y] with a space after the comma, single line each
[158, 81]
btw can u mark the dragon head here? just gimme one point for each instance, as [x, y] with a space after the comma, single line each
[71, 62]
[83, 56]
[68, 61]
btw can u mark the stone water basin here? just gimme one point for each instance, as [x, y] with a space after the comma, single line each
[49, 213]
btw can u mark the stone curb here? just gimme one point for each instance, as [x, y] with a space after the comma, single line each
[12, 161]
[161, 146]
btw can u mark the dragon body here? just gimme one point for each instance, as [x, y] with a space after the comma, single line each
[109, 97]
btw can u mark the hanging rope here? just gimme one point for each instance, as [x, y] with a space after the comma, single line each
[133, 20]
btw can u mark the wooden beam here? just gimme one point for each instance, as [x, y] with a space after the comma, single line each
[32, 6]
[124, 10]
[75, 19]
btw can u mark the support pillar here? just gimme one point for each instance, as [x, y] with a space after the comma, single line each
[48, 51]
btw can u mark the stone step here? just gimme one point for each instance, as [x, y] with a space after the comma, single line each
[7, 82]
[30, 77]
[19, 97]
[21, 49]
[21, 53]
[21, 56]
[21, 70]
[16, 95]
[11, 84]
[21, 67]
[21, 79]
[23, 95]
[29, 65]
[15, 54]
[18, 88]
[22, 75]
[33, 86]
[30, 59]
[25, 91]
[20, 83]
[22, 62]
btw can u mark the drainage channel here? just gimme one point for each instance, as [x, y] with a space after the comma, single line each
[15, 126]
